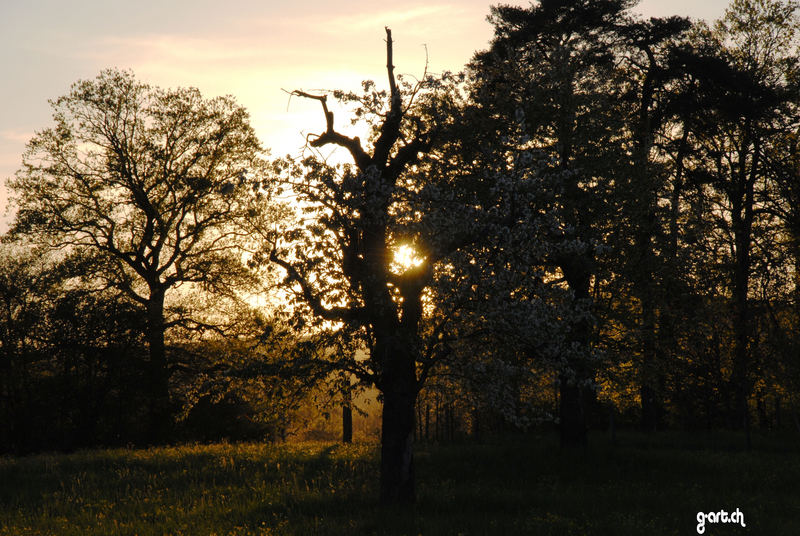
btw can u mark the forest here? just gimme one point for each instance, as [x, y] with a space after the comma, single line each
[594, 228]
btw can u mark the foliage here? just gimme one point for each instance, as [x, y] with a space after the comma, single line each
[146, 185]
[152, 179]
[71, 357]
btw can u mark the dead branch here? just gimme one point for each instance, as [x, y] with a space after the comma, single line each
[419, 83]
[390, 130]
[353, 145]
[389, 66]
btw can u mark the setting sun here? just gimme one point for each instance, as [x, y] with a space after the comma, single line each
[405, 258]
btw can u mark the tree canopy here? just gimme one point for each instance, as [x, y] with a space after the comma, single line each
[147, 183]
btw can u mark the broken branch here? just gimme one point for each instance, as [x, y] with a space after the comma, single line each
[353, 145]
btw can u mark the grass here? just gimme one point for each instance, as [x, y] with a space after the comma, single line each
[646, 485]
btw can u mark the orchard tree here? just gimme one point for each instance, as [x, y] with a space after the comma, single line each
[147, 183]
[553, 66]
[372, 240]
[341, 266]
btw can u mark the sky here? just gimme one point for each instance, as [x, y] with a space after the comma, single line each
[247, 48]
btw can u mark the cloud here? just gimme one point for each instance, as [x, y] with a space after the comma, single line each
[379, 19]
[172, 48]
[15, 136]
[356, 22]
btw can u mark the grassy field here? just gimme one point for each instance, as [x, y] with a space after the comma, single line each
[643, 486]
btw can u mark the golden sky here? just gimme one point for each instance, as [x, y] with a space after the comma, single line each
[248, 48]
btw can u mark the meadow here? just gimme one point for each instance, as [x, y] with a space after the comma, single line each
[642, 485]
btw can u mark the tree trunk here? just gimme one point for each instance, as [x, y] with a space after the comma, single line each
[763, 419]
[427, 421]
[643, 213]
[437, 431]
[347, 417]
[397, 441]
[572, 414]
[649, 379]
[397, 428]
[741, 326]
[157, 373]
[574, 385]
[742, 204]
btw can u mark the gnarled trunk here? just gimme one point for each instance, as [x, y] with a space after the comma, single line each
[397, 442]
[399, 390]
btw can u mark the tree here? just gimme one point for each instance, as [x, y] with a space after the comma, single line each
[553, 65]
[25, 285]
[68, 354]
[651, 65]
[340, 256]
[148, 183]
[749, 97]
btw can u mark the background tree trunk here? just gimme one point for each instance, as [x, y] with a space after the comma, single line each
[347, 417]
[575, 385]
[157, 373]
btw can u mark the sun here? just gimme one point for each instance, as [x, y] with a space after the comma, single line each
[405, 258]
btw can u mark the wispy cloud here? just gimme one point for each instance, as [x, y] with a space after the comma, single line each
[15, 136]
[379, 19]
[421, 19]
[173, 48]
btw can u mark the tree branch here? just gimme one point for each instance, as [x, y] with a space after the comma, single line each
[353, 145]
[336, 314]
[390, 130]
[408, 154]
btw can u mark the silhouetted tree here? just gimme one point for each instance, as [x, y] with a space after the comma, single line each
[554, 65]
[651, 69]
[340, 258]
[748, 106]
[149, 181]
[25, 284]
[70, 356]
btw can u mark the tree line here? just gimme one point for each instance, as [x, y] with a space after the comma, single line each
[596, 222]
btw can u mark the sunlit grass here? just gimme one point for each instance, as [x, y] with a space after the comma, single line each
[515, 487]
